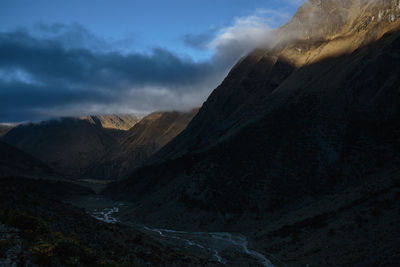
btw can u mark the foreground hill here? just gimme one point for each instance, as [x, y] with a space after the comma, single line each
[70, 145]
[311, 117]
[136, 145]
[38, 229]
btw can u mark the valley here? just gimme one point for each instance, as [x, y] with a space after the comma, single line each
[226, 248]
[292, 160]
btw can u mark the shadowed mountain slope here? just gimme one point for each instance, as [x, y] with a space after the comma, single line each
[298, 147]
[319, 30]
[16, 162]
[69, 145]
[140, 142]
[304, 118]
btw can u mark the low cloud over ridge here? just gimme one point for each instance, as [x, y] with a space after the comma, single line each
[76, 73]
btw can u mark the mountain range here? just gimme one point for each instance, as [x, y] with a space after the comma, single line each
[104, 147]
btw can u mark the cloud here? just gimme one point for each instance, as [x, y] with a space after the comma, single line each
[50, 63]
[39, 73]
[65, 70]
[246, 34]
[199, 41]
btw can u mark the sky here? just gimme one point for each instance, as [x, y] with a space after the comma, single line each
[73, 58]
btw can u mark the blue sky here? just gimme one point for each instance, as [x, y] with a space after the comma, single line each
[204, 38]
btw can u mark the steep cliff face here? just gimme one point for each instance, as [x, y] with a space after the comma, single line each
[135, 146]
[313, 114]
[69, 145]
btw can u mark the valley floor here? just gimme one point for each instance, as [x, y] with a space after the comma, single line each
[356, 227]
[44, 222]
[230, 249]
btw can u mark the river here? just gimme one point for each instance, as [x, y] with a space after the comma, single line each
[230, 249]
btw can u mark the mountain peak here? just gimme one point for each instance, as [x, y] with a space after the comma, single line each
[329, 28]
[327, 19]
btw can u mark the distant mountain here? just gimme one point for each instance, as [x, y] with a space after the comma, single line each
[139, 143]
[313, 114]
[70, 145]
[102, 147]
[18, 163]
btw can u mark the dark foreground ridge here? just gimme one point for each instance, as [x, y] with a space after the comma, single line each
[38, 229]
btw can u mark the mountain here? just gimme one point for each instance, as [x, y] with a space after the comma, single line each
[16, 162]
[304, 115]
[320, 31]
[311, 118]
[139, 143]
[70, 145]
[5, 128]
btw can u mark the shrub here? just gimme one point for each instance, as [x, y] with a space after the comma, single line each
[42, 253]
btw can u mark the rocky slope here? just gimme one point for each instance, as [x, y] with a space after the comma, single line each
[312, 116]
[70, 145]
[135, 146]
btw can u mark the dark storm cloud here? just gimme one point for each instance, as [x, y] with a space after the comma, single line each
[39, 73]
[49, 62]
[65, 70]
[21, 101]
